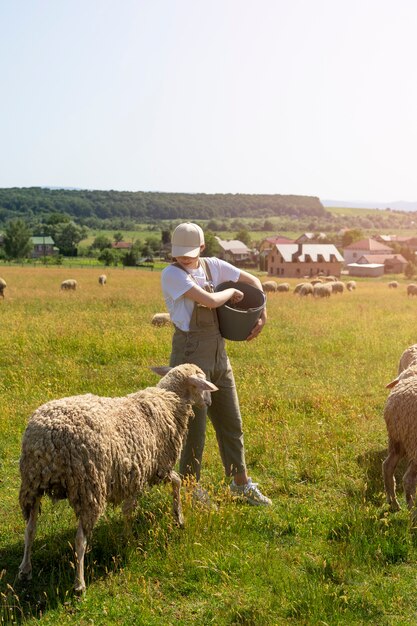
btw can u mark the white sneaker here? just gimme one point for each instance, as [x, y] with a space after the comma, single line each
[202, 498]
[250, 493]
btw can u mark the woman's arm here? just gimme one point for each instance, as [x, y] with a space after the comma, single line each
[213, 300]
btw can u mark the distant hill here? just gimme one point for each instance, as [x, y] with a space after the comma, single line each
[398, 205]
[37, 202]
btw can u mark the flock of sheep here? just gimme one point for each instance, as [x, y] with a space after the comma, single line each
[69, 284]
[317, 287]
[96, 450]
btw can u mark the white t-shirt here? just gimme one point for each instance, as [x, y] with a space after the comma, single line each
[176, 282]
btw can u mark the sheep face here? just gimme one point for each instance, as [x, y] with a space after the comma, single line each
[196, 389]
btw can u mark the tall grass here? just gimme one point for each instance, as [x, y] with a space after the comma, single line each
[312, 391]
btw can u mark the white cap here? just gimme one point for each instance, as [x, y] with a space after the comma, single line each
[187, 239]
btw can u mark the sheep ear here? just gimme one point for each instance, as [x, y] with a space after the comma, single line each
[392, 383]
[162, 370]
[201, 383]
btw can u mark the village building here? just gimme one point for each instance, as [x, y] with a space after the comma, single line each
[369, 270]
[270, 242]
[43, 246]
[311, 238]
[356, 250]
[235, 252]
[393, 263]
[122, 245]
[297, 260]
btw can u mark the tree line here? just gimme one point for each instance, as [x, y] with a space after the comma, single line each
[85, 205]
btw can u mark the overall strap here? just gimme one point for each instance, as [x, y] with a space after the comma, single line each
[206, 269]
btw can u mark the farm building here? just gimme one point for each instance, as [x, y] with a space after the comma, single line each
[310, 259]
[234, 251]
[393, 263]
[43, 246]
[356, 250]
[371, 270]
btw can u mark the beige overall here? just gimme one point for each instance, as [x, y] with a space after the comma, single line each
[204, 346]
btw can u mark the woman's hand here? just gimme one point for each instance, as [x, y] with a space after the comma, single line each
[237, 296]
[258, 327]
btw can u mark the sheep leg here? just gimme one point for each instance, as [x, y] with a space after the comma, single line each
[80, 548]
[25, 568]
[176, 493]
[409, 482]
[388, 469]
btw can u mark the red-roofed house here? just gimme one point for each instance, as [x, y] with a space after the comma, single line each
[354, 251]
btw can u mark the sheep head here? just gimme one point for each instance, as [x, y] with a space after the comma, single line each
[188, 381]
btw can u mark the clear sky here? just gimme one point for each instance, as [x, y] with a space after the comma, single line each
[311, 97]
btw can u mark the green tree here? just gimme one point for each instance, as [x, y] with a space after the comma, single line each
[67, 236]
[349, 236]
[212, 247]
[17, 242]
[109, 257]
[410, 270]
[101, 242]
[118, 237]
[244, 237]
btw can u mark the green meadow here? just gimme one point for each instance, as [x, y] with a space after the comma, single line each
[312, 392]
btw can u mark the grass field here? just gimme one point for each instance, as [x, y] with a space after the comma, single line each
[312, 392]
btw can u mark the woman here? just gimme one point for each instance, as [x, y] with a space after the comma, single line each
[188, 287]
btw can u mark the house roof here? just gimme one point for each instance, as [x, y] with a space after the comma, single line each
[233, 245]
[278, 239]
[37, 241]
[122, 245]
[368, 244]
[381, 258]
[313, 250]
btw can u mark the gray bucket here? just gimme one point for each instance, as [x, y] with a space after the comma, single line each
[236, 321]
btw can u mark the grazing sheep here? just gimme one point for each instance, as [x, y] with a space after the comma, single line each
[400, 416]
[408, 358]
[306, 290]
[283, 287]
[3, 286]
[269, 286]
[350, 285]
[337, 286]
[412, 289]
[297, 288]
[330, 279]
[393, 284]
[102, 279]
[322, 290]
[94, 450]
[69, 284]
[161, 319]
[316, 281]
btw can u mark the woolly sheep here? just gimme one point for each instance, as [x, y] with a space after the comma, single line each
[102, 279]
[297, 288]
[269, 286]
[161, 319]
[94, 450]
[400, 416]
[306, 290]
[316, 281]
[322, 290]
[412, 289]
[3, 286]
[283, 287]
[408, 357]
[393, 284]
[350, 285]
[330, 279]
[69, 284]
[337, 286]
